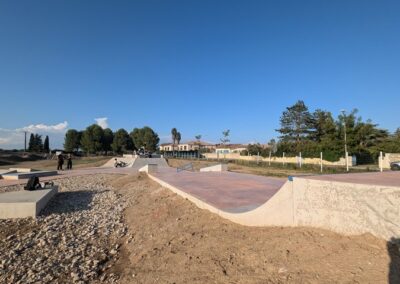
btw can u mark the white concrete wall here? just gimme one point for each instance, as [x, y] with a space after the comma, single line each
[390, 158]
[216, 168]
[347, 208]
[288, 160]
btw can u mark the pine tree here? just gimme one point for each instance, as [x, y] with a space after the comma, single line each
[46, 145]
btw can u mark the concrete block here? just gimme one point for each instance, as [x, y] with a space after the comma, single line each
[26, 175]
[149, 168]
[216, 168]
[23, 204]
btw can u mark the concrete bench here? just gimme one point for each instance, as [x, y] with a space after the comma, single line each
[23, 203]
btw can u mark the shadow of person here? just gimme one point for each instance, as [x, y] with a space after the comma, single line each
[393, 248]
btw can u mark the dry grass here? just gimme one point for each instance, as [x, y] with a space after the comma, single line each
[84, 162]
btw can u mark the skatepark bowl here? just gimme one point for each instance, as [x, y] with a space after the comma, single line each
[345, 203]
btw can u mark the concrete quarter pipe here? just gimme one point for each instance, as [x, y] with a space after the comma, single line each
[325, 202]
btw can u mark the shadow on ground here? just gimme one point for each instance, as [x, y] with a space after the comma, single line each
[393, 247]
[70, 201]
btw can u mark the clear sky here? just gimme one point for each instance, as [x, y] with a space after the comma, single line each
[200, 66]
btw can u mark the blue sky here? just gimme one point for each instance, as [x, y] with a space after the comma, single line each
[200, 66]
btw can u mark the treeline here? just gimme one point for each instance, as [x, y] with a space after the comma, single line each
[313, 132]
[95, 139]
[37, 145]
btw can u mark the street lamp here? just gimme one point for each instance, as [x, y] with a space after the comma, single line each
[343, 111]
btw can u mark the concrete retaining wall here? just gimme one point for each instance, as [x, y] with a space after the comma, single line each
[347, 208]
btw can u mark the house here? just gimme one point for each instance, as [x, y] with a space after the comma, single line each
[230, 148]
[187, 146]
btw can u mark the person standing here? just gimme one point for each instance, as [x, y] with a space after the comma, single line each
[60, 162]
[69, 162]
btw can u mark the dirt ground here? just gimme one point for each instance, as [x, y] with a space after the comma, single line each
[173, 241]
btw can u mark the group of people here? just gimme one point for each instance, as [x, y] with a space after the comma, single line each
[60, 162]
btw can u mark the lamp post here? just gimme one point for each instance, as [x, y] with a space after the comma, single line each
[345, 139]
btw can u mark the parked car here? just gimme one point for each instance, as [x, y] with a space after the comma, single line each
[395, 166]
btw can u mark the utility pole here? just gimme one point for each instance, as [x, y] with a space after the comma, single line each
[345, 139]
[25, 142]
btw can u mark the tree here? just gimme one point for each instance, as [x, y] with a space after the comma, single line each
[174, 133]
[225, 136]
[122, 141]
[31, 144]
[46, 145]
[198, 138]
[178, 138]
[296, 123]
[72, 140]
[273, 146]
[145, 138]
[107, 140]
[35, 143]
[92, 139]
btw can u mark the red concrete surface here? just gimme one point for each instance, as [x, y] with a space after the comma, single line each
[228, 191]
[387, 178]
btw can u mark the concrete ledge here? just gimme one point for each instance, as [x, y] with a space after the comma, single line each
[149, 168]
[23, 204]
[216, 168]
[26, 175]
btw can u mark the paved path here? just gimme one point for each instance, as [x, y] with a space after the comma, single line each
[228, 191]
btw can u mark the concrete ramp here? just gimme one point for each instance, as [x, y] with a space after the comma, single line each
[128, 160]
[323, 201]
[141, 162]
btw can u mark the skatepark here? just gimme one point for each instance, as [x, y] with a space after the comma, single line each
[344, 203]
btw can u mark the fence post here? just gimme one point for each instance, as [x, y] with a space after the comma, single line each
[283, 158]
[321, 162]
[381, 161]
[270, 158]
[300, 160]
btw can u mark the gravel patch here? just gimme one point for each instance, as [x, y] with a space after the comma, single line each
[75, 239]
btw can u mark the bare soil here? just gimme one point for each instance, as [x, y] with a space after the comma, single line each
[170, 240]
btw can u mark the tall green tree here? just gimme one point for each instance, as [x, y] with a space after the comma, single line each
[107, 140]
[31, 144]
[35, 143]
[145, 137]
[296, 123]
[92, 139]
[46, 145]
[72, 140]
[122, 141]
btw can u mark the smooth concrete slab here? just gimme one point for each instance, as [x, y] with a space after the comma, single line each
[23, 204]
[26, 175]
[227, 191]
